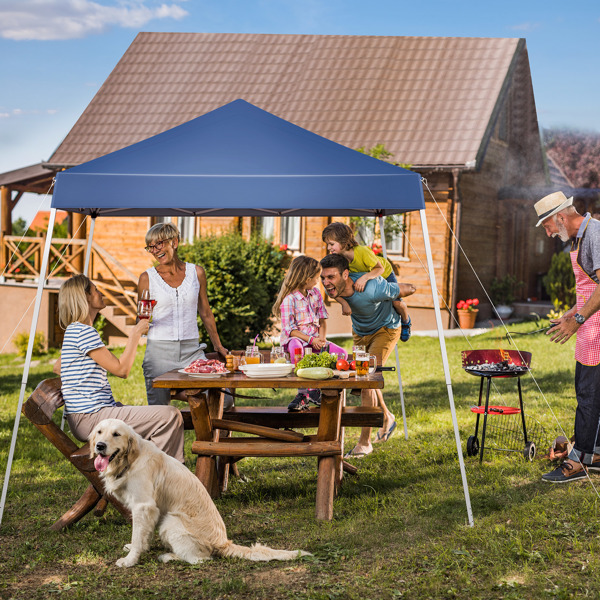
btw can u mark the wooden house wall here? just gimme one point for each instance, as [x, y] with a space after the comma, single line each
[499, 235]
[123, 238]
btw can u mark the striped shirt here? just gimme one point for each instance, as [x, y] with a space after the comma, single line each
[85, 387]
[302, 313]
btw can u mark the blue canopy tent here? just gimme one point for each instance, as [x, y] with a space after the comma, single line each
[238, 160]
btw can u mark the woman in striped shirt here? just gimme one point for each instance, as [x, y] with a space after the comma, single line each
[83, 367]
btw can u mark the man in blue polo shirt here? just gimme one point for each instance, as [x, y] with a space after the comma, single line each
[375, 325]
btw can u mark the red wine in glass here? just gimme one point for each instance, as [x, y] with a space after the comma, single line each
[145, 306]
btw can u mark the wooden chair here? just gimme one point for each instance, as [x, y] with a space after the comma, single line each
[39, 408]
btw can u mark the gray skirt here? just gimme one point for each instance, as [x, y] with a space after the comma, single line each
[162, 356]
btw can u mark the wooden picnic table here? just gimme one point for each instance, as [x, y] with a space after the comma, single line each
[272, 426]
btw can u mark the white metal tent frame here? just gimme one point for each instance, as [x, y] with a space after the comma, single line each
[229, 162]
[438, 319]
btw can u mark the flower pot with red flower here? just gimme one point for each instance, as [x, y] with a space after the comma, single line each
[467, 312]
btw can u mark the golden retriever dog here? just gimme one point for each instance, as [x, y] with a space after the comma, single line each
[159, 490]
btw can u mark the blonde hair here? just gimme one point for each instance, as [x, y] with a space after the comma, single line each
[160, 232]
[73, 304]
[341, 233]
[301, 270]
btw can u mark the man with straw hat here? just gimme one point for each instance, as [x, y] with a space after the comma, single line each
[559, 218]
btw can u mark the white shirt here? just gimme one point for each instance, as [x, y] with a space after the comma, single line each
[175, 314]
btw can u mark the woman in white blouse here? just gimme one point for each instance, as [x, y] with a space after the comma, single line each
[180, 292]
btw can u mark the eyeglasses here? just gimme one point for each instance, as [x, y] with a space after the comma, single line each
[155, 247]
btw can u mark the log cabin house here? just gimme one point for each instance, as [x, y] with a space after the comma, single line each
[460, 111]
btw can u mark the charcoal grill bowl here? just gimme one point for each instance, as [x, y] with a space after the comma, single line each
[516, 358]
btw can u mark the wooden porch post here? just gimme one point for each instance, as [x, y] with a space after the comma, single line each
[5, 222]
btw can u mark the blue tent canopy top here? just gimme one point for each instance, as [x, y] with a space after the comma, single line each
[237, 160]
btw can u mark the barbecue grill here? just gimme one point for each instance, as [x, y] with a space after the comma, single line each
[491, 364]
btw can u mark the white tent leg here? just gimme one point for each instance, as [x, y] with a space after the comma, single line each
[400, 388]
[34, 320]
[438, 319]
[88, 251]
[86, 270]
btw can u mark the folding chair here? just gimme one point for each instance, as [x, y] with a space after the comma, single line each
[39, 408]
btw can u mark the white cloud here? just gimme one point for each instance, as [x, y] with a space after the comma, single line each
[19, 112]
[68, 19]
[528, 26]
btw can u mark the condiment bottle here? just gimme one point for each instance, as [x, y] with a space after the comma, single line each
[229, 362]
[297, 355]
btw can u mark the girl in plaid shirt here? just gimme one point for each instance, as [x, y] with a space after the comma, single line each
[303, 318]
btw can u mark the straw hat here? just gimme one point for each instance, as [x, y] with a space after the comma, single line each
[550, 205]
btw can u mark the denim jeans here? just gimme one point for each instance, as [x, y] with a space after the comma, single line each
[587, 415]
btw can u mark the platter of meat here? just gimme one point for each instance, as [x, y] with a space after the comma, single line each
[205, 368]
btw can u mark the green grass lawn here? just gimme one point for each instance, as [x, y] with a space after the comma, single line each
[399, 529]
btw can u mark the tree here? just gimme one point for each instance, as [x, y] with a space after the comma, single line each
[577, 153]
[19, 227]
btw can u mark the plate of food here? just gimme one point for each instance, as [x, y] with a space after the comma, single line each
[206, 375]
[205, 369]
[267, 370]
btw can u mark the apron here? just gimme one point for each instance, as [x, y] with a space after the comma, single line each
[587, 347]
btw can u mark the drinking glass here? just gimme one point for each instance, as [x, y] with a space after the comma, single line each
[277, 353]
[357, 350]
[145, 306]
[365, 363]
[252, 356]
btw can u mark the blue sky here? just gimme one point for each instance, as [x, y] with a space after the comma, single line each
[55, 54]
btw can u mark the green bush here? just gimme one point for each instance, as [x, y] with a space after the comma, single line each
[243, 279]
[21, 341]
[100, 325]
[560, 281]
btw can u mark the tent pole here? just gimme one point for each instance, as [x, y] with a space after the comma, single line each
[86, 270]
[88, 251]
[401, 389]
[34, 321]
[438, 319]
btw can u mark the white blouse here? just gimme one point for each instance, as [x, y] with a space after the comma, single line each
[175, 314]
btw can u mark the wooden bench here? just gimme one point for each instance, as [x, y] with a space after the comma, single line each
[280, 417]
[39, 408]
[275, 423]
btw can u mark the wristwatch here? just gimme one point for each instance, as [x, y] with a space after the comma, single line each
[579, 318]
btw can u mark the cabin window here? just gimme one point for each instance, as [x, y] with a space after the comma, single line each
[290, 232]
[397, 245]
[281, 230]
[187, 229]
[367, 231]
[266, 226]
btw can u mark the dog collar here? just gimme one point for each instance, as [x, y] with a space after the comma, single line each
[122, 472]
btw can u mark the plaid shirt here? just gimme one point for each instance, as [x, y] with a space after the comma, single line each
[301, 313]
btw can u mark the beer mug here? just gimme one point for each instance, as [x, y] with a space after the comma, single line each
[357, 350]
[365, 363]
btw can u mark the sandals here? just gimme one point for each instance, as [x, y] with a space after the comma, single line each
[386, 434]
[405, 333]
[354, 453]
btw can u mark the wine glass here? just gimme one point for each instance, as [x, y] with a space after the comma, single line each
[145, 306]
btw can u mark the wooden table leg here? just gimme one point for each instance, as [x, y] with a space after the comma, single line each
[329, 430]
[202, 410]
[339, 460]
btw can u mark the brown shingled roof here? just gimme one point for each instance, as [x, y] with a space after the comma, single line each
[428, 100]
